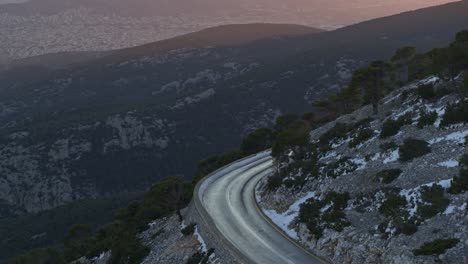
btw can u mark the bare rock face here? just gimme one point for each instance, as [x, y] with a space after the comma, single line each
[37, 175]
[428, 210]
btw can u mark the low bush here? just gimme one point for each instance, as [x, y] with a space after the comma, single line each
[413, 148]
[460, 182]
[436, 247]
[296, 134]
[188, 230]
[427, 119]
[391, 127]
[257, 141]
[339, 131]
[387, 176]
[393, 204]
[362, 136]
[393, 207]
[200, 257]
[388, 146]
[455, 114]
[433, 201]
[426, 91]
[339, 167]
[274, 182]
[327, 213]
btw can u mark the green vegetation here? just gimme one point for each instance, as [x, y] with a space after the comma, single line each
[433, 201]
[427, 119]
[327, 213]
[455, 114]
[460, 182]
[211, 164]
[200, 257]
[295, 134]
[120, 236]
[393, 204]
[404, 54]
[436, 247]
[188, 230]
[259, 140]
[393, 208]
[388, 146]
[465, 83]
[413, 148]
[426, 92]
[371, 83]
[340, 167]
[388, 176]
[362, 136]
[391, 127]
[336, 133]
[49, 228]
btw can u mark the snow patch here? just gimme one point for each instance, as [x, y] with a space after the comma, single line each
[394, 156]
[457, 137]
[284, 220]
[203, 246]
[449, 164]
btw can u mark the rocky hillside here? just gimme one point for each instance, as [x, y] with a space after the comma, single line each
[122, 122]
[385, 188]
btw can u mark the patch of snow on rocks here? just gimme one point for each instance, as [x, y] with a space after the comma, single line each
[394, 156]
[457, 137]
[284, 220]
[203, 246]
[449, 164]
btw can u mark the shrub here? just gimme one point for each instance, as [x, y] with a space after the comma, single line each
[391, 127]
[433, 201]
[436, 247]
[321, 103]
[413, 148]
[460, 182]
[339, 131]
[257, 141]
[362, 136]
[188, 230]
[285, 121]
[404, 53]
[274, 182]
[340, 167]
[387, 176]
[408, 228]
[427, 119]
[465, 83]
[297, 134]
[455, 114]
[393, 204]
[316, 218]
[388, 146]
[426, 91]
[309, 116]
[200, 257]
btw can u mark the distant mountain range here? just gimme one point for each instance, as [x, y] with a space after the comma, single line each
[37, 27]
[124, 120]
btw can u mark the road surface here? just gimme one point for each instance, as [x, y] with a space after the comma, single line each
[228, 198]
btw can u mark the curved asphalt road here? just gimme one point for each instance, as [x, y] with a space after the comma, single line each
[228, 197]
